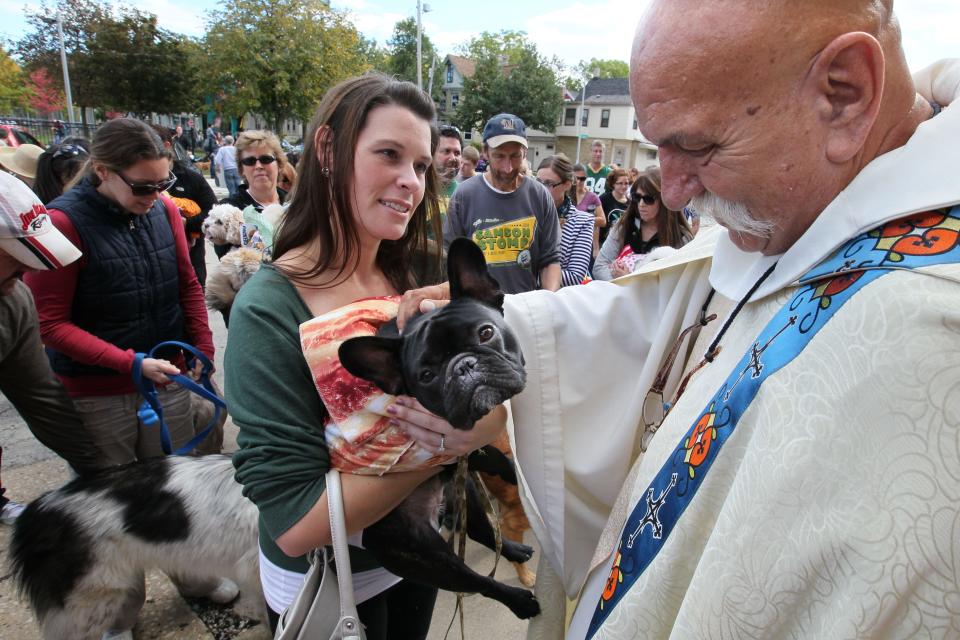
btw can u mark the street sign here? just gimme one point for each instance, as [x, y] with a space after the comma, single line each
[584, 136]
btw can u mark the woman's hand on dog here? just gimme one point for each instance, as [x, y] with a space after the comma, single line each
[422, 300]
[157, 370]
[427, 428]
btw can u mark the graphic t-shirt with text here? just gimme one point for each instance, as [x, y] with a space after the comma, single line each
[518, 232]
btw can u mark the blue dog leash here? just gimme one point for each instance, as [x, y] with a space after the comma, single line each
[151, 412]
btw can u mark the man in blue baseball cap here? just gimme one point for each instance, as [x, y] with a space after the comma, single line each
[508, 214]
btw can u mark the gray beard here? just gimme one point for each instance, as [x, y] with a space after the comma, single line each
[734, 216]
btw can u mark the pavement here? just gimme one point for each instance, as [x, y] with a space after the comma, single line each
[29, 469]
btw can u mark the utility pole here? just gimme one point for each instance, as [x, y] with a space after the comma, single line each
[66, 72]
[419, 54]
[583, 95]
[421, 9]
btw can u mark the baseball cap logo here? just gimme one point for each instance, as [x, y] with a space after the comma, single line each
[507, 123]
[34, 218]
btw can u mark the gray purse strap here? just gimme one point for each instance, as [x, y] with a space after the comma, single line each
[349, 619]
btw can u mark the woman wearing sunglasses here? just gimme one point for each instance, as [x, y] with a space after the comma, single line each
[646, 225]
[133, 287]
[261, 159]
[576, 236]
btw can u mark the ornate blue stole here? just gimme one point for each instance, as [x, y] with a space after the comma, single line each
[915, 241]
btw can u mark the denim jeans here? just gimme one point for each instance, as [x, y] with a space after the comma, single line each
[232, 178]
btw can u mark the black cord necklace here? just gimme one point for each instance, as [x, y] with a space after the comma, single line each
[714, 347]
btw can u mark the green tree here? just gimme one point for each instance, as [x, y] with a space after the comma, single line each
[137, 66]
[13, 90]
[526, 85]
[507, 46]
[587, 69]
[402, 56]
[376, 56]
[278, 57]
[40, 46]
[402, 48]
[119, 59]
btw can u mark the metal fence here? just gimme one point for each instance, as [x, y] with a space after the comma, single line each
[48, 131]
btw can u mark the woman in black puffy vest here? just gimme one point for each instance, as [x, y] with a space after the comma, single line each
[133, 287]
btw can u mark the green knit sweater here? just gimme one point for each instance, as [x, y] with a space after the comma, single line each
[283, 457]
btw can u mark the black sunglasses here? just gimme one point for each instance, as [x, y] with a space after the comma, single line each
[549, 184]
[148, 188]
[581, 178]
[642, 198]
[69, 150]
[250, 161]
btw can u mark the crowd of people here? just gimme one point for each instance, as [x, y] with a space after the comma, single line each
[642, 521]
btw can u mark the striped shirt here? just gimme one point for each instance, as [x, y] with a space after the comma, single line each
[576, 246]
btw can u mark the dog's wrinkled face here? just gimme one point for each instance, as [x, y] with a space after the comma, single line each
[459, 361]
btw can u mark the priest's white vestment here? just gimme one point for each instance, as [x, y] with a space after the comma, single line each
[834, 509]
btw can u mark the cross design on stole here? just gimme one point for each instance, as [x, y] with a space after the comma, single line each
[653, 509]
[756, 364]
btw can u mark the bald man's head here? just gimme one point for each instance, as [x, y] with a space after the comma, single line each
[773, 107]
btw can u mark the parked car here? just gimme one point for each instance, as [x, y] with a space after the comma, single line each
[12, 135]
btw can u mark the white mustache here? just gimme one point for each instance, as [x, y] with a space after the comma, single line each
[734, 216]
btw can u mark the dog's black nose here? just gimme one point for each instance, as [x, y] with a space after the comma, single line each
[465, 366]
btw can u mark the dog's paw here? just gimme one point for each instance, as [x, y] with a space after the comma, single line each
[527, 578]
[523, 603]
[515, 552]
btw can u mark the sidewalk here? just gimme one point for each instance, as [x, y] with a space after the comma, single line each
[29, 469]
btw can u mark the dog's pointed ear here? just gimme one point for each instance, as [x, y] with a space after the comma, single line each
[469, 276]
[374, 359]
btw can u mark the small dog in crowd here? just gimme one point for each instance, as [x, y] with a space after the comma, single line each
[222, 225]
[460, 362]
[225, 225]
[225, 280]
[76, 551]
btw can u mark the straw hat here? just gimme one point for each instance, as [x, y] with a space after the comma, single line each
[21, 160]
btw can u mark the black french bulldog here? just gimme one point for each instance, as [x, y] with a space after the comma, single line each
[460, 362]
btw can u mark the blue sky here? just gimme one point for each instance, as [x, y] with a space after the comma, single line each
[573, 30]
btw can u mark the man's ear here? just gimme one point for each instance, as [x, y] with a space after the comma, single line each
[469, 277]
[848, 77]
[374, 359]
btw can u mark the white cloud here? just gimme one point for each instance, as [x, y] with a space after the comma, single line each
[378, 26]
[179, 16]
[587, 30]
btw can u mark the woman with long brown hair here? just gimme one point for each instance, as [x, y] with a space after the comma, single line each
[355, 228]
[646, 225]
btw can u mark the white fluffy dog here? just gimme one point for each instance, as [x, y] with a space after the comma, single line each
[225, 224]
[222, 225]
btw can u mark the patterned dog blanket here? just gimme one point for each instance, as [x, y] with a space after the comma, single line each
[358, 434]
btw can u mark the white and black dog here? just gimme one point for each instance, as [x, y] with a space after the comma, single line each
[77, 551]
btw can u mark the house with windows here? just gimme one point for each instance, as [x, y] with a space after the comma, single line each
[603, 111]
[455, 69]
